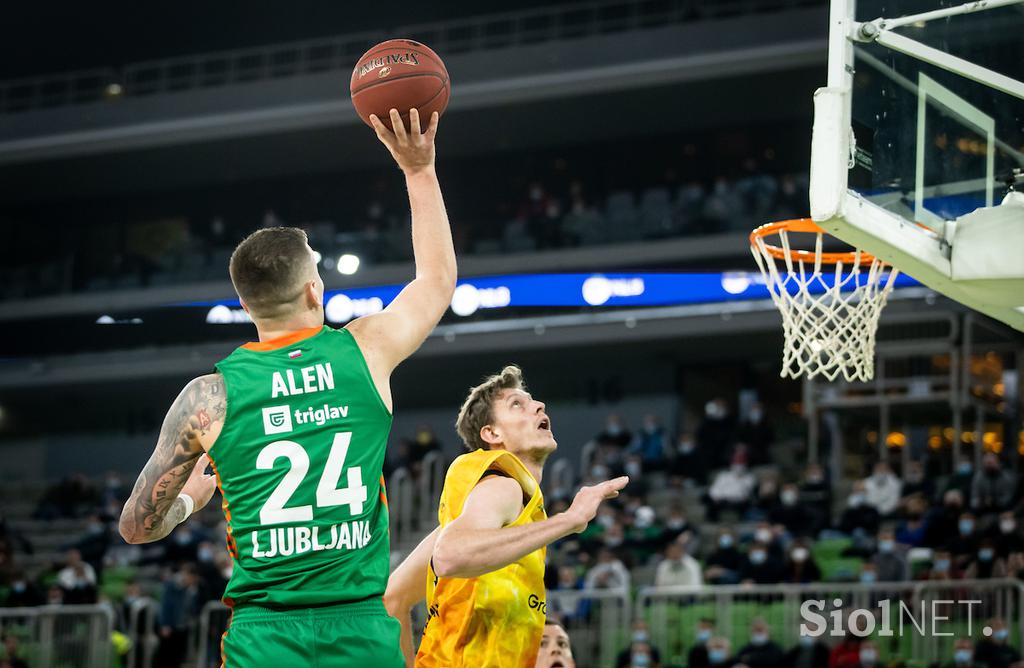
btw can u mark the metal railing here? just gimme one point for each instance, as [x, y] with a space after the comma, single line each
[492, 31]
[65, 635]
[413, 501]
[908, 609]
[598, 620]
[142, 618]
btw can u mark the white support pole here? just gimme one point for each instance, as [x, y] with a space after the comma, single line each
[951, 63]
[924, 17]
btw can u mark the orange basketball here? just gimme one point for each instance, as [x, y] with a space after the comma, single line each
[399, 74]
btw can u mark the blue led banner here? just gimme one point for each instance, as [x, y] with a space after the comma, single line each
[559, 290]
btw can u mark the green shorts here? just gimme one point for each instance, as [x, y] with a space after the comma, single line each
[336, 636]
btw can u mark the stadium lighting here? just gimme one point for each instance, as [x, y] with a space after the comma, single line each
[317, 256]
[348, 264]
[114, 89]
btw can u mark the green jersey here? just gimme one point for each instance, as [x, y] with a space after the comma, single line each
[299, 463]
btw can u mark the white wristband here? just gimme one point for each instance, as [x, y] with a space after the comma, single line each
[190, 505]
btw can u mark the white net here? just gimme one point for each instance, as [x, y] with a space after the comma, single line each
[829, 318]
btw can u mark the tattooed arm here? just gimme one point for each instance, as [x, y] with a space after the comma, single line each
[178, 463]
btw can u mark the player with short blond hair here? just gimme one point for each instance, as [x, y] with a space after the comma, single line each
[483, 567]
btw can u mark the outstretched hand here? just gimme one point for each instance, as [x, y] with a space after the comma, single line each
[412, 150]
[588, 499]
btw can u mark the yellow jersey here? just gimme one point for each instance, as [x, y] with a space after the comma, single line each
[497, 619]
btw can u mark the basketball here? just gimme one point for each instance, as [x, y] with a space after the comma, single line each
[399, 74]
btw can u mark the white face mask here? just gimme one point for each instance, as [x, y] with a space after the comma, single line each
[1007, 525]
[763, 535]
[800, 554]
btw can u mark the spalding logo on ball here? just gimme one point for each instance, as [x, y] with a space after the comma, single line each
[399, 74]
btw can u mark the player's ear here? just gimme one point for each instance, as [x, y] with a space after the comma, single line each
[490, 434]
[314, 296]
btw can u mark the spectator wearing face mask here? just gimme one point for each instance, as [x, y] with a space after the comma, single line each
[633, 466]
[963, 655]
[716, 432]
[942, 568]
[22, 592]
[986, 563]
[868, 573]
[993, 487]
[964, 544]
[915, 482]
[942, 522]
[883, 490]
[962, 478]
[608, 573]
[996, 650]
[690, 462]
[771, 536]
[615, 433]
[77, 579]
[650, 443]
[731, 490]
[859, 518]
[756, 431]
[790, 513]
[889, 561]
[761, 566]
[800, 566]
[676, 525]
[809, 652]
[767, 496]
[568, 609]
[677, 568]
[1007, 535]
[719, 654]
[640, 649]
[723, 565]
[698, 654]
[761, 651]
[644, 534]
[868, 655]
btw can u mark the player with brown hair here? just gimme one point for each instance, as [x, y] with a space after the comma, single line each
[482, 569]
[295, 426]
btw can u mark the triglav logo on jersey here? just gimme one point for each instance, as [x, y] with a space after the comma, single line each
[277, 420]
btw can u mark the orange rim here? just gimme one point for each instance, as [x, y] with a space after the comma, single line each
[802, 225]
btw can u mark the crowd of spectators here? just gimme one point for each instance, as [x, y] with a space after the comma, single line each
[706, 506]
[543, 214]
[762, 528]
[181, 573]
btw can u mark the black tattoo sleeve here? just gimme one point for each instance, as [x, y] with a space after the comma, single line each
[150, 512]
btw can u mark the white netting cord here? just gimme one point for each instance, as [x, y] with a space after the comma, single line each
[832, 332]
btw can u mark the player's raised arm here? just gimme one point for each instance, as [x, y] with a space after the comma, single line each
[389, 337]
[480, 541]
[174, 484]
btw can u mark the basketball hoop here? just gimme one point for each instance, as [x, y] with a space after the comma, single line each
[828, 319]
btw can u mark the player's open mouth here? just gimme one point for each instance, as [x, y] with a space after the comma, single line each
[545, 424]
[557, 664]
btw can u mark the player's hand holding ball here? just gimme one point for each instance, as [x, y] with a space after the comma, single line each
[413, 150]
[588, 500]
